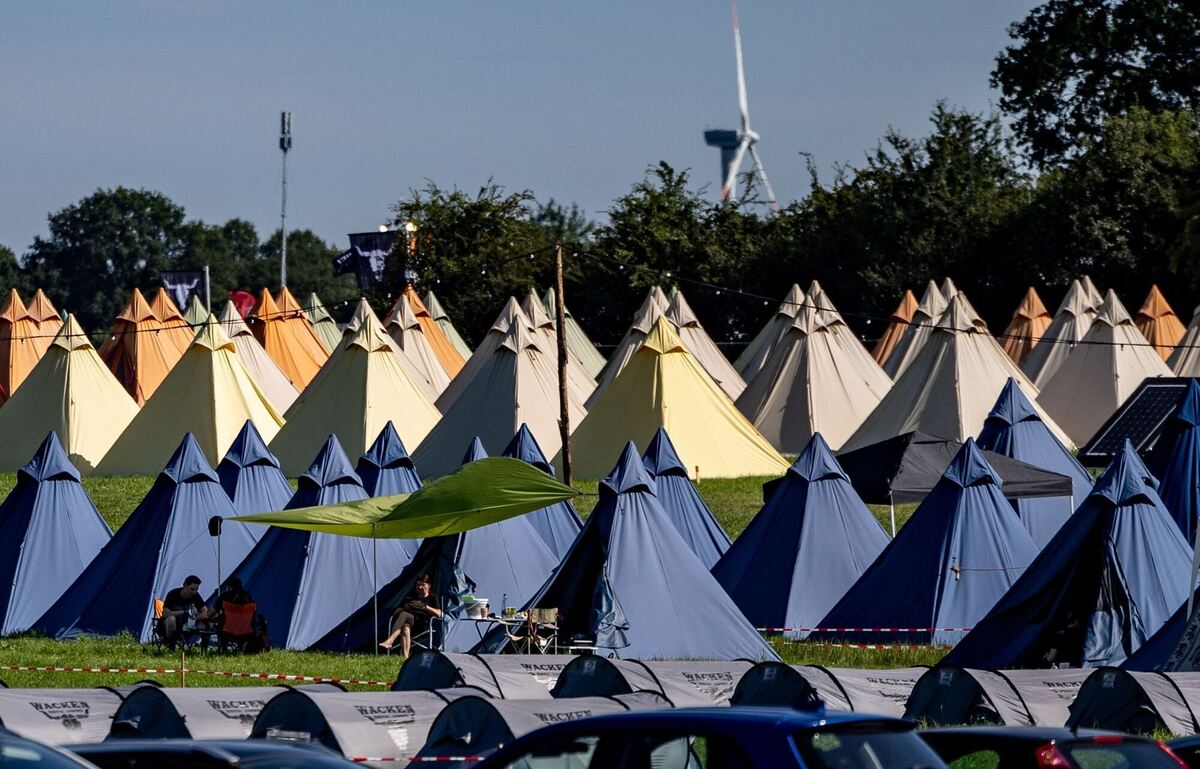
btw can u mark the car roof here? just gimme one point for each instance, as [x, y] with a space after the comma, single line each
[222, 748]
[784, 718]
[1024, 733]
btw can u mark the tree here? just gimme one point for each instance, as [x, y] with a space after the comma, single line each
[102, 247]
[1076, 62]
[477, 250]
[309, 269]
[11, 275]
[231, 252]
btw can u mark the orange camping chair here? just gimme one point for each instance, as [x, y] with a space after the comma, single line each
[238, 626]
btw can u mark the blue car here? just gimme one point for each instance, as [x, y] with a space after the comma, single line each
[720, 738]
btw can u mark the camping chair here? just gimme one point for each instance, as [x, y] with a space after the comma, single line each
[237, 626]
[186, 637]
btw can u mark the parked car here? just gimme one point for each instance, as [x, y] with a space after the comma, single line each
[208, 754]
[720, 738]
[1017, 747]
[1188, 750]
[17, 752]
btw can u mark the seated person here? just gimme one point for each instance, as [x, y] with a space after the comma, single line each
[412, 617]
[177, 606]
[232, 594]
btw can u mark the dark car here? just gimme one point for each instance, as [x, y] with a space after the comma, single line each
[17, 752]
[998, 747]
[208, 754]
[720, 738]
[1188, 750]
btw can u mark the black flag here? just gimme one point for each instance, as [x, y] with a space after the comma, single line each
[365, 258]
[182, 285]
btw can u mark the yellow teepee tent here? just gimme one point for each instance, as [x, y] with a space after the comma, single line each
[362, 388]
[662, 385]
[208, 394]
[72, 393]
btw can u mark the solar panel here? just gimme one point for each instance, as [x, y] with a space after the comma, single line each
[1139, 420]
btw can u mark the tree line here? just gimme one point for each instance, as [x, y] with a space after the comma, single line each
[1092, 165]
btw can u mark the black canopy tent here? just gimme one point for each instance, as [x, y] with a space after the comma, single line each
[904, 469]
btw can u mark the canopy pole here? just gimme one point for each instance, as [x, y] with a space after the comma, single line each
[892, 512]
[1195, 569]
[375, 585]
[564, 413]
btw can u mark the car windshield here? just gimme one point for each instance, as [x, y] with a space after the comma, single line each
[863, 746]
[1118, 755]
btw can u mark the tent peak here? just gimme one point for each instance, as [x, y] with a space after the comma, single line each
[970, 468]
[403, 316]
[50, 461]
[388, 450]
[535, 312]
[932, 303]
[661, 458]
[71, 336]
[188, 463]
[232, 321]
[248, 448]
[14, 308]
[662, 338]
[475, 451]
[512, 314]
[960, 315]
[518, 339]
[1012, 406]
[315, 309]
[524, 447]
[137, 309]
[817, 462]
[41, 308]
[791, 302]
[1093, 295]
[211, 336]
[330, 466]
[1031, 306]
[680, 312]
[371, 335]
[1125, 478]
[1112, 312]
[628, 474]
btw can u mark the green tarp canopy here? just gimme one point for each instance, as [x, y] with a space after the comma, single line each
[479, 493]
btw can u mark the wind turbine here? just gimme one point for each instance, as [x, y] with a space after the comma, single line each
[735, 144]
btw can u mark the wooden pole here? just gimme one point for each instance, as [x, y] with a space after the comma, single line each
[560, 317]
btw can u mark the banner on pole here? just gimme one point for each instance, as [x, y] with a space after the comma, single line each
[182, 285]
[366, 258]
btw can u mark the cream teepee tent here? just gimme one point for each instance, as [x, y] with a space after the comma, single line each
[195, 313]
[1071, 322]
[1028, 324]
[409, 335]
[362, 388]
[1159, 323]
[72, 393]
[518, 386]
[262, 369]
[447, 353]
[663, 385]
[208, 394]
[653, 306]
[751, 361]
[815, 380]
[322, 322]
[577, 340]
[579, 381]
[510, 315]
[1111, 360]
[702, 347]
[1185, 361]
[931, 307]
[951, 385]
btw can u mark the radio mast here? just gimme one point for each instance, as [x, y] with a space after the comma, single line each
[285, 144]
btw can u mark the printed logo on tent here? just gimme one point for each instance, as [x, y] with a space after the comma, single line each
[570, 715]
[394, 718]
[1066, 690]
[244, 711]
[545, 674]
[713, 684]
[895, 689]
[945, 677]
[70, 713]
[1108, 680]
[770, 673]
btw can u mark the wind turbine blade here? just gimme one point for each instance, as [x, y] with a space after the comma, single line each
[743, 103]
[729, 191]
[762, 173]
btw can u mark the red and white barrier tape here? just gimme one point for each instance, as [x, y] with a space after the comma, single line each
[56, 669]
[875, 647]
[864, 629]
[191, 672]
[287, 677]
[416, 759]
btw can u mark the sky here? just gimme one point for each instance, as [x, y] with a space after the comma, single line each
[571, 100]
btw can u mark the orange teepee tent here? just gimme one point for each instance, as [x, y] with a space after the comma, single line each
[299, 362]
[1028, 324]
[450, 358]
[175, 327]
[1159, 323]
[137, 351]
[897, 324]
[18, 353]
[302, 327]
[48, 321]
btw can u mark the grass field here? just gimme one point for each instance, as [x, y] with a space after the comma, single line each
[733, 502]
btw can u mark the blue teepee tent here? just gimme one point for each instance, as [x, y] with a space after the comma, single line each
[501, 559]
[631, 583]
[557, 525]
[1175, 460]
[251, 476]
[386, 468]
[682, 503]
[49, 531]
[1016, 430]
[804, 549]
[1107, 581]
[303, 580]
[961, 550]
[165, 539]
[475, 450]
[1158, 648]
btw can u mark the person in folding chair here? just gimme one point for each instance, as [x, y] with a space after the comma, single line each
[183, 613]
[413, 619]
[234, 618]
